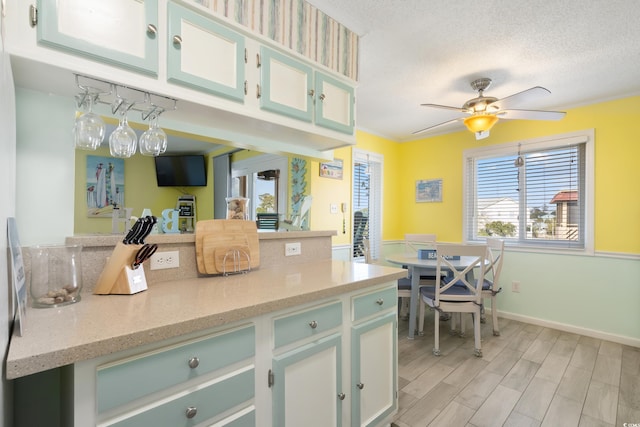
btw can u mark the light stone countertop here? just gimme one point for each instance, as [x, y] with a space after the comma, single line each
[103, 324]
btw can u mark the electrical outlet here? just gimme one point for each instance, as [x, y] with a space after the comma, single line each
[333, 208]
[515, 286]
[291, 249]
[168, 259]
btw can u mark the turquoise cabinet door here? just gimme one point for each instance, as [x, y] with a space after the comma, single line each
[374, 376]
[307, 384]
[204, 54]
[121, 33]
[286, 85]
[334, 104]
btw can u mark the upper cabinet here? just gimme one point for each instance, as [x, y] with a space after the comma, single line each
[295, 89]
[334, 103]
[204, 54]
[120, 32]
[232, 85]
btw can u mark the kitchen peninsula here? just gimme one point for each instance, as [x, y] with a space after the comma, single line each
[203, 337]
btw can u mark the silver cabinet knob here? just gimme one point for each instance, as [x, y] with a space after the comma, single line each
[194, 362]
[191, 412]
[313, 324]
[152, 30]
[322, 97]
[311, 92]
[341, 396]
[177, 40]
[380, 301]
[360, 386]
[258, 61]
[258, 91]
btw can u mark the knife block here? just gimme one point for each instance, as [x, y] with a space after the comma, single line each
[118, 277]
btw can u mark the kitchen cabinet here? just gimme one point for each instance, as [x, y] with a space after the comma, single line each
[307, 380]
[334, 105]
[204, 54]
[210, 378]
[119, 32]
[330, 362]
[295, 89]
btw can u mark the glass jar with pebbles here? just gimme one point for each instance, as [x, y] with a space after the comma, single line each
[56, 275]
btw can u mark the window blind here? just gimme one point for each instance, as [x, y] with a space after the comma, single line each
[541, 202]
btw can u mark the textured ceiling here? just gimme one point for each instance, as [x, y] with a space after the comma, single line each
[428, 51]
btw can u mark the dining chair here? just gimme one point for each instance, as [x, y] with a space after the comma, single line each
[490, 286]
[457, 292]
[412, 243]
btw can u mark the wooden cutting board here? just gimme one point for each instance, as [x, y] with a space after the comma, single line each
[226, 245]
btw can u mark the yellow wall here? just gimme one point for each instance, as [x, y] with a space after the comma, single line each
[617, 174]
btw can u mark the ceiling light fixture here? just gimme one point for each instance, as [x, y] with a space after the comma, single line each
[480, 122]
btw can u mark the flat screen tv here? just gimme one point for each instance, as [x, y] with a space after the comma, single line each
[181, 171]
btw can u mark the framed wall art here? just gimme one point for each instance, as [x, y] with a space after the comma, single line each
[331, 169]
[429, 190]
[105, 185]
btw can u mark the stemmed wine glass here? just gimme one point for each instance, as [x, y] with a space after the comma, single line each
[89, 129]
[123, 140]
[153, 141]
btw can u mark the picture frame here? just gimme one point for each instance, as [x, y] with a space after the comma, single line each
[429, 190]
[104, 186]
[332, 169]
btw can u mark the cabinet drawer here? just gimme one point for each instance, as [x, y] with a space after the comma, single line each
[306, 324]
[130, 379]
[375, 302]
[206, 403]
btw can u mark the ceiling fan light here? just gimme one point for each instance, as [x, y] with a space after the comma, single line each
[480, 122]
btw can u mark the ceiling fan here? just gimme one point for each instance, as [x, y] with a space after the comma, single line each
[484, 111]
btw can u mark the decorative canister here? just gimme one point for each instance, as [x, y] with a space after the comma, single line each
[56, 275]
[237, 208]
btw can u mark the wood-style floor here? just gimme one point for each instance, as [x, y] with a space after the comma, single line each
[528, 376]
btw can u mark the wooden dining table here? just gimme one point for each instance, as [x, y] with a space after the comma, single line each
[424, 267]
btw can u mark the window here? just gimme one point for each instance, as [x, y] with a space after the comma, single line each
[533, 193]
[367, 203]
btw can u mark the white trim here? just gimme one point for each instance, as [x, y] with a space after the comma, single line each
[552, 141]
[621, 339]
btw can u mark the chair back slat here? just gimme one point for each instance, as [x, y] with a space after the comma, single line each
[495, 256]
[460, 276]
[413, 242]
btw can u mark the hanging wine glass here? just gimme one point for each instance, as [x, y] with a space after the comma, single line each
[89, 129]
[153, 141]
[123, 140]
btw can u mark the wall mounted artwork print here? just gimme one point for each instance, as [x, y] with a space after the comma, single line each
[105, 185]
[331, 169]
[429, 190]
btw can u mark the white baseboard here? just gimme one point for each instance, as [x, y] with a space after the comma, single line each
[633, 342]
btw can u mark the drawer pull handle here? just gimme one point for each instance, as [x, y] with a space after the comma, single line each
[313, 324]
[360, 386]
[191, 412]
[194, 362]
[341, 396]
[380, 301]
[152, 30]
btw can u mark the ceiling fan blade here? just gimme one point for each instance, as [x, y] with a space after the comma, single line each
[531, 115]
[446, 107]
[526, 96]
[448, 122]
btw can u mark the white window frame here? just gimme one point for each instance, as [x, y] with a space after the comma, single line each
[375, 199]
[511, 148]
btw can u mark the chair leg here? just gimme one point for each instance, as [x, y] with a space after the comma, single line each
[476, 332]
[494, 317]
[436, 334]
[421, 318]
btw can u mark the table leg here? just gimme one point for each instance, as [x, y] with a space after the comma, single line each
[413, 302]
